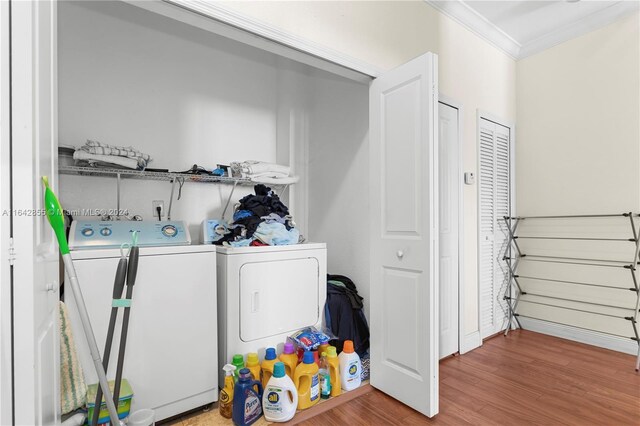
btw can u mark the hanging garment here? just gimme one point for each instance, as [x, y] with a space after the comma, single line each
[344, 315]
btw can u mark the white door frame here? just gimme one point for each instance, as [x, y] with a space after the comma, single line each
[480, 114]
[6, 340]
[463, 345]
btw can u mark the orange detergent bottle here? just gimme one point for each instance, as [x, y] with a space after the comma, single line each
[253, 364]
[269, 361]
[307, 382]
[334, 370]
[290, 359]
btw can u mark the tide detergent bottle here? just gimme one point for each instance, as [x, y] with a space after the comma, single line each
[307, 382]
[247, 403]
[350, 367]
[253, 364]
[267, 365]
[334, 371]
[226, 395]
[280, 397]
[290, 359]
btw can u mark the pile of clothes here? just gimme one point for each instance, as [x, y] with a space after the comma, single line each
[261, 220]
[101, 154]
[259, 171]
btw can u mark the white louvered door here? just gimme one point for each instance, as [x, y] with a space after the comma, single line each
[494, 178]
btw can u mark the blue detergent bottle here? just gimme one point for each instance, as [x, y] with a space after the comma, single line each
[247, 404]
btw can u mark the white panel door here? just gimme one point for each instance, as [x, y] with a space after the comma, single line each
[404, 251]
[34, 154]
[494, 204]
[6, 412]
[449, 185]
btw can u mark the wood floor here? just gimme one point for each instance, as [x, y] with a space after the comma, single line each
[526, 378]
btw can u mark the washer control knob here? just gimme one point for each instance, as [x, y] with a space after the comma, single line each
[87, 232]
[169, 231]
[105, 231]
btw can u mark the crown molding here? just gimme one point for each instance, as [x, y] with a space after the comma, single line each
[580, 27]
[460, 12]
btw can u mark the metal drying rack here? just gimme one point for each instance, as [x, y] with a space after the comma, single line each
[514, 290]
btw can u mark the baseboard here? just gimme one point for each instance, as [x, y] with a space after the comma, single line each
[594, 338]
[470, 342]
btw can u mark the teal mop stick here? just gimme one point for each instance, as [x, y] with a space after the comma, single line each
[56, 220]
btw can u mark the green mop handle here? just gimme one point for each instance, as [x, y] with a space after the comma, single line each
[54, 214]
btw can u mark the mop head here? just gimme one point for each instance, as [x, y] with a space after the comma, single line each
[73, 389]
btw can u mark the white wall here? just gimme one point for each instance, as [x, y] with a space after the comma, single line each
[339, 177]
[578, 152]
[388, 33]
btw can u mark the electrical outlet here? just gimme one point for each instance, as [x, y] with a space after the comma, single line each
[155, 204]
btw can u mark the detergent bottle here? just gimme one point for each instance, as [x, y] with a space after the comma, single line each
[253, 364]
[267, 365]
[325, 377]
[289, 358]
[226, 395]
[334, 371]
[307, 382]
[280, 397]
[247, 406]
[238, 361]
[350, 367]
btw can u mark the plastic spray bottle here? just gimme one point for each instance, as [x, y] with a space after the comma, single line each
[226, 395]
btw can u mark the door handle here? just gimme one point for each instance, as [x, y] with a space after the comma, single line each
[51, 286]
[400, 254]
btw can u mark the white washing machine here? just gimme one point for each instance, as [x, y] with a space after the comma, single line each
[171, 356]
[267, 293]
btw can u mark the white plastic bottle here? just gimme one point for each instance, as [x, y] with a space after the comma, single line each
[350, 367]
[280, 397]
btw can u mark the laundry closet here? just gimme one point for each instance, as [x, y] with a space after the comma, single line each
[363, 149]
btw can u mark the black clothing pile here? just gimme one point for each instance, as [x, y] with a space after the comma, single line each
[254, 210]
[344, 315]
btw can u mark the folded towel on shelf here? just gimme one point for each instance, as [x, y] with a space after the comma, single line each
[106, 160]
[251, 168]
[276, 181]
[262, 172]
[100, 148]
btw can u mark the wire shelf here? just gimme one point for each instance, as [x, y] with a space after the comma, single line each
[147, 175]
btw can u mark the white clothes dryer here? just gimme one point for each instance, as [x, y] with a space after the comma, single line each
[266, 294]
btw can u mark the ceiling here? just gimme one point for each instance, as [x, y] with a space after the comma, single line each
[523, 28]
